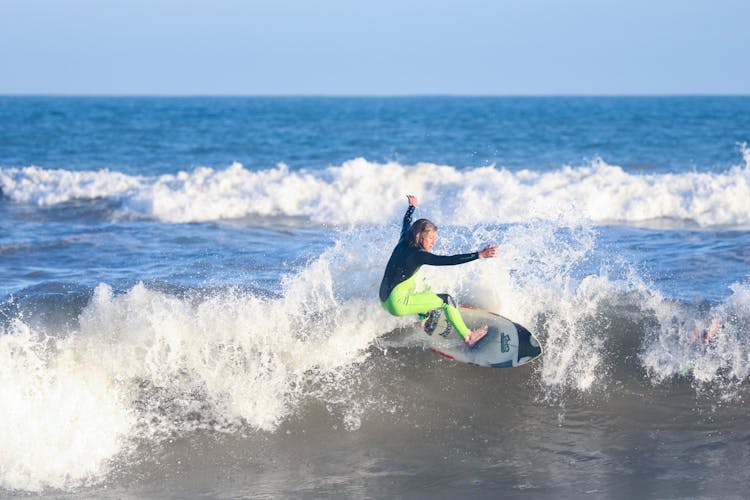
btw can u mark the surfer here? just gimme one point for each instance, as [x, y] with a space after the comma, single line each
[705, 335]
[397, 290]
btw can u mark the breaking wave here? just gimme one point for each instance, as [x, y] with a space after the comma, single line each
[343, 195]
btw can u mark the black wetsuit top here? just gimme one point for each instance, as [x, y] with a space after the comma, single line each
[406, 260]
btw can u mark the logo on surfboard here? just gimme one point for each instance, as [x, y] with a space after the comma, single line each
[504, 343]
[432, 322]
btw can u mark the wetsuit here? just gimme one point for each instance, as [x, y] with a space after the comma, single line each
[397, 290]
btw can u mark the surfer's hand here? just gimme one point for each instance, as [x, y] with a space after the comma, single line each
[488, 251]
[413, 201]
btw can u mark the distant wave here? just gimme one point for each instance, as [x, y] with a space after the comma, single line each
[363, 192]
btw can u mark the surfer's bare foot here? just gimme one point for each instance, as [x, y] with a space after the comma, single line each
[475, 336]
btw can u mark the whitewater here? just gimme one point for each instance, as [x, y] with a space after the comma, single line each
[341, 195]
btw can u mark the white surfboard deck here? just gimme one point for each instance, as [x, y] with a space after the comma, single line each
[507, 344]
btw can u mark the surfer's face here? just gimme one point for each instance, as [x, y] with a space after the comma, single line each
[429, 240]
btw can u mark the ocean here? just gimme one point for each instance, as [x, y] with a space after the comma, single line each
[188, 297]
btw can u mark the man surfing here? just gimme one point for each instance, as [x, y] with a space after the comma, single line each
[398, 293]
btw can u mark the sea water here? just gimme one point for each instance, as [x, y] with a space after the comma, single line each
[188, 297]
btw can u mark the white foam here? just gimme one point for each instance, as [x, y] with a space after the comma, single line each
[357, 192]
[63, 417]
[144, 364]
[44, 187]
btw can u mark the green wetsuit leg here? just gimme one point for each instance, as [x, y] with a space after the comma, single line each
[403, 302]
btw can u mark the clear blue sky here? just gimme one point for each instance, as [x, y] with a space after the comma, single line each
[374, 47]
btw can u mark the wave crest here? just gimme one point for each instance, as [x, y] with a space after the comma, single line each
[357, 191]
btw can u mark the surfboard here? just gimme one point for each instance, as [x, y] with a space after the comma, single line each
[507, 344]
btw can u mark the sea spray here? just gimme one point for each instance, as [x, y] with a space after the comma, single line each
[551, 292]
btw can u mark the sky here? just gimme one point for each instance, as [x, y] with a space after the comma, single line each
[374, 47]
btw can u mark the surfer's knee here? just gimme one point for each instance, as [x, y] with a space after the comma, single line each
[447, 299]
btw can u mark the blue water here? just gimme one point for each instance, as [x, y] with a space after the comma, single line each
[181, 274]
[160, 135]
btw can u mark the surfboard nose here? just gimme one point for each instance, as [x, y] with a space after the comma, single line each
[528, 345]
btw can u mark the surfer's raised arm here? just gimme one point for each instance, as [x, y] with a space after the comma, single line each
[413, 202]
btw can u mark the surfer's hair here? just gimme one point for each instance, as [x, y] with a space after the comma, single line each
[419, 230]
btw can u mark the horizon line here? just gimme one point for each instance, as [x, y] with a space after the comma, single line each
[363, 95]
